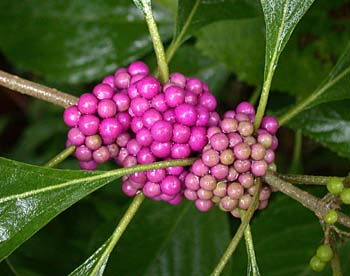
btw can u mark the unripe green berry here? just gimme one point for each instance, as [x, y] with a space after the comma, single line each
[324, 253]
[335, 185]
[331, 217]
[316, 264]
[345, 196]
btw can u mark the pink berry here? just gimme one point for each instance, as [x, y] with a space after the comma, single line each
[82, 153]
[109, 80]
[198, 138]
[156, 175]
[144, 137]
[124, 119]
[150, 117]
[246, 108]
[199, 168]
[186, 114]
[242, 151]
[170, 185]
[219, 171]
[145, 156]
[133, 147]
[162, 131]
[181, 133]
[110, 128]
[71, 116]
[88, 165]
[235, 190]
[148, 87]
[136, 124]
[210, 158]
[259, 168]
[87, 103]
[89, 124]
[151, 189]
[139, 106]
[101, 155]
[179, 151]
[202, 117]
[192, 181]
[203, 205]
[208, 101]
[178, 79]
[194, 85]
[122, 101]
[122, 80]
[138, 67]
[128, 189]
[174, 96]
[219, 141]
[270, 124]
[93, 142]
[161, 150]
[103, 91]
[158, 103]
[106, 108]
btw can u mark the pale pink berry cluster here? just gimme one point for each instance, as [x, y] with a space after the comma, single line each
[133, 119]
[226, 172]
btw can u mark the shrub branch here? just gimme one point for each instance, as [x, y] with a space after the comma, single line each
[36, 90]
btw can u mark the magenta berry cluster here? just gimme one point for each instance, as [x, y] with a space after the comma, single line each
[133, 119]
[226, 172]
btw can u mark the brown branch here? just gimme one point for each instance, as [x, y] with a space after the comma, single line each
[309, 201]
[36, 90]
[307, 179]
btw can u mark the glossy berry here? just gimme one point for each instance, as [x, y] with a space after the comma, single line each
[345, 196]
[335, 185]
[316, 264]
[324, 253]
[87, 103]
[71, 116]
[331, 217]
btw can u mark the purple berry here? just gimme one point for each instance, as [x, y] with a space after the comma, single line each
[129, 161]
[133, 147]
[181, 133]
[122, 80]
[186, 114]
[203, 205]
[110, 128]
[122, 101]
[170, 185]
[136, 124]
[208, 101]
[242, 166]
[219, 171]
[175, 170]
[93, 142]
[191, 98]
[179, 151]
[106, 108]
[150, 117]
[71, 116]
[88, 165]
[145, 156]
[139, 106]
[169, 116]
[103, 91]
[202, 117]
[128, 189]
[109, 80]
[246, 180]
[242, 151]
[148, 87]
[199, 168]
[162, 131]
[192, 181]
[259, 168]
[198, 138]
[219, 141]
[138, 67]
[101, 155]
[87, 103]
[246, 108]
[210, 158]
[124, 119]
[194, 85]
[161, 150]
[174, 96]
[156, 175]
[269, 156]
[270, 124]
[82, 153]
[258, 152]
[158, 103]
[178, 79]
[190, 195]
[207, 182]
[204, 194]
[89, 124]
[123, 139]
[229, 125]
[151, 189]
[144, 137]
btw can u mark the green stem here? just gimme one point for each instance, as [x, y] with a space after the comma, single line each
[298, 144]
[239, 234]
[265, 92]
[119, 230]
[175, 44]
[335, 263]
[36, 90]
[250, 251]
[60, 157]
[307, 179]
[157, 42]
[295, 110]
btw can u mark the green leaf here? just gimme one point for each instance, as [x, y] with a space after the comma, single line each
[210, 11]
[337, 84]
[171, 240]
[281, 17]
[328, 124]
[31, 196]
[76, 41]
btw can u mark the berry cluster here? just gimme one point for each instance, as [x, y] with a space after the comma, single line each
[131, 118]
[225, 173]
[336, 186]
[324, 254]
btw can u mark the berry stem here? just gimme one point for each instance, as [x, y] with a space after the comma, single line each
[250, 251]
[335, 263]
[157, 42]
[176, 42]
[36, 90]
[306, 179]
[296, 165]
[255, 96]
[239, 234]
[309, 201]
[60, 157]
[119, 230]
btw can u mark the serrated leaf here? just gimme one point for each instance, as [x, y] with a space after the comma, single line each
[204, 12]
[76, 41]
[281, 17]
[170, 240]
[328, 124]
[31, 196]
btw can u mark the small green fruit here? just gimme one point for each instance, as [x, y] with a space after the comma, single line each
[335, 185]
[331, 217]
[316, 264]
[345, 196]
[324, 253]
